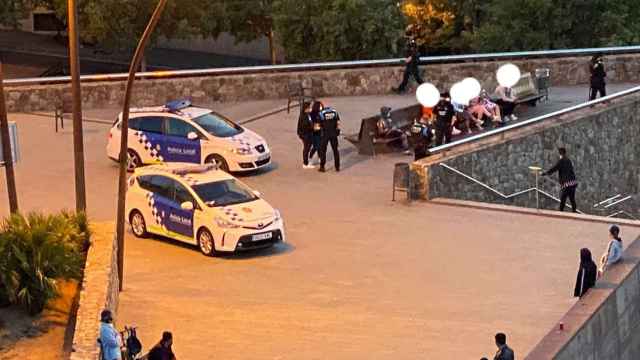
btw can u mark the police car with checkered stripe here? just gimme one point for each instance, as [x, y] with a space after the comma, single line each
[201, 205]
[181, 132]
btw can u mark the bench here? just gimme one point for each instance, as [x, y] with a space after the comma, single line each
[526, 91]
[296, 91]
[369, 144]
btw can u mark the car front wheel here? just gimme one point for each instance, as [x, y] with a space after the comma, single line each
[205, 243]
[138, 225]
[219, 161]
[133, 161]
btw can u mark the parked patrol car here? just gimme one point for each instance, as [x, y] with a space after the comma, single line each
[181, 132]
[201, 205]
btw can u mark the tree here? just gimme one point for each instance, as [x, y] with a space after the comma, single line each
[11, 11]
[322, 30]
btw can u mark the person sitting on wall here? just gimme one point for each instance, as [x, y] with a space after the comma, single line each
[385, 129]
[506, 102]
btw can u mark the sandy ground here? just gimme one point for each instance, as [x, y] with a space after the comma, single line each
[360, 278]
[44, 337]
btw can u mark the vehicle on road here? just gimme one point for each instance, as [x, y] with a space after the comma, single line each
[203, 206]
[181, 132]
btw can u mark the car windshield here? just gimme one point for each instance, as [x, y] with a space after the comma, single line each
[217, 125]
[223, 193]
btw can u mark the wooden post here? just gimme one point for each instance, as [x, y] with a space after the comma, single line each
[6, 149]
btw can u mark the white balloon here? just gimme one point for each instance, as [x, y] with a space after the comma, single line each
[458, 94]
[472, 87]
[428, 95]
[508, 75]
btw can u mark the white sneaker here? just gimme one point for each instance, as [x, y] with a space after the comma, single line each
[308, 166]
[514, 118]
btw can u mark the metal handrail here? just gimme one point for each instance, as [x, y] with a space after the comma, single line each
[533, 120]
[329, 65]
[504, 196]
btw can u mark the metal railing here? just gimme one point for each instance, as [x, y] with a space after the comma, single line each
[535, 120]
[609, 203]
[330, 65]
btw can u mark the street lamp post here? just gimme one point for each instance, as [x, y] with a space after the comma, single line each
[78, 142]
[6, 149]
[124, 127]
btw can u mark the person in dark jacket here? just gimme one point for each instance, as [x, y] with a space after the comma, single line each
[411, 68]
[316, 134]
[163, 351]
[421, 136]
[330, 121]
[598, 75]
[587, 273]
[567, 177]
[305, 133]
[504, 352]
[444, 113]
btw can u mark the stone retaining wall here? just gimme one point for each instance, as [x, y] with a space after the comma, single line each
[99, 291]
[342, 82]
[605, 323]
[603, 142]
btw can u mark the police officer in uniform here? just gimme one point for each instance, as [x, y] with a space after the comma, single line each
[330, 131]
[443, 112]
[411, 68]
[421, 136]
[598, 74]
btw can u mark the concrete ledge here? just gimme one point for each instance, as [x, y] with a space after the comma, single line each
[99, 291]
[603, 324]
[536, 212]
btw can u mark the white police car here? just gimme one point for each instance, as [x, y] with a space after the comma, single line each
[200, 205]
[180, 132]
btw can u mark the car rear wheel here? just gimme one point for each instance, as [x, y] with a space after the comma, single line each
[138, 225]
[205, 243]
[133, 160]
[218, 160]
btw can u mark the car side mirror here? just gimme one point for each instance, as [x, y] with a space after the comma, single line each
[187, 205]
[192, 136]
[257, 193]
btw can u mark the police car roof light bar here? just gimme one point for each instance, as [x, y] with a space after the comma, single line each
[177, 105]
[197, 169]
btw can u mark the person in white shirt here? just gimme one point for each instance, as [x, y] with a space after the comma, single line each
[613, 254]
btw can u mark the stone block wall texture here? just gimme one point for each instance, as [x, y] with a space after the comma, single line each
[602, 142]
[605, 323]
[99, 291]
[339, 82]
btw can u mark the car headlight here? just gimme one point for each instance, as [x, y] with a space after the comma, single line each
[277, 215]
[241, 151]
[224, 223]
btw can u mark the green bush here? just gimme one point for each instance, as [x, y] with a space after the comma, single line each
[38, 250]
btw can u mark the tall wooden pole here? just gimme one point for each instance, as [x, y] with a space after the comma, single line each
[78, 143]
[124, 126]
[6, 149]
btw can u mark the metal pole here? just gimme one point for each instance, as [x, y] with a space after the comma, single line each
[6, 149]
[78, 146]
[122, 180]
[537, 192]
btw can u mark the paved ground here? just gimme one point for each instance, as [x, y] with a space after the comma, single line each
[360, 278]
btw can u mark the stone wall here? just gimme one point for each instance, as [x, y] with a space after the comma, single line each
[341, 82]
[605, 323]
[603, 143]
[99, 291]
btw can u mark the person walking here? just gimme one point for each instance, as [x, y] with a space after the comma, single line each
[110, 341]
[444, 113]
[316, 134]
[163, 350]
[614, 250]
[411, 67]
[305, 133]
[598, 75]
[330, 120]
[504, 352]
[587, 273]
[567, 178]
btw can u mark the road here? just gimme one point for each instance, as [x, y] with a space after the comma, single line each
[361, 277]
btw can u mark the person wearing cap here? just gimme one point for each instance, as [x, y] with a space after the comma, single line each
[598, 75]
[444, 113]
[330, 125]
[567, 178]
[110, 341]
[411, 67]
[614, 250]
[163, 350]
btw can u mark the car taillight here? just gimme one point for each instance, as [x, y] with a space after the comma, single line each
[110, 135]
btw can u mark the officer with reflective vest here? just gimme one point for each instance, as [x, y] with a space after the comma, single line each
[421, 136]
[330, 122]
